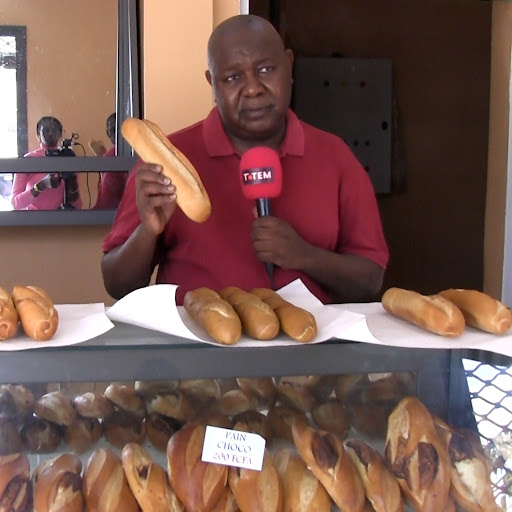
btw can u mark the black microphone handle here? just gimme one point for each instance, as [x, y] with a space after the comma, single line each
[263, 207]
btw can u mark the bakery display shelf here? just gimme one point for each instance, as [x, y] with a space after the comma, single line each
[129, 352]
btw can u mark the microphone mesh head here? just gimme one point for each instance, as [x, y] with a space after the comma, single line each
[261, 174]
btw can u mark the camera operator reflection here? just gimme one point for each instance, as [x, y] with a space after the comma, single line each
[111, 184]
[42, 191]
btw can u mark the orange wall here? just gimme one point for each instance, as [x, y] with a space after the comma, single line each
[71, 63]
[66, 260]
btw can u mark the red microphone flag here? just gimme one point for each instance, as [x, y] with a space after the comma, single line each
[261, 175]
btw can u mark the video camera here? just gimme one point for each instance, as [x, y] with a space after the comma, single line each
[65, 150]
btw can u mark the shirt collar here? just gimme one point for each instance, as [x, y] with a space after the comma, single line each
[218, 144]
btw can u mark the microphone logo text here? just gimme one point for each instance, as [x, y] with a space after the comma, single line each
[258, 176]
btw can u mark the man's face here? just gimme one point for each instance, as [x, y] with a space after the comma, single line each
[251, 79]
[49, 133]
[111, 130]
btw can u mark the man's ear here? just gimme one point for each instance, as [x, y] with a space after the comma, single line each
[289, 55]
[208, 76]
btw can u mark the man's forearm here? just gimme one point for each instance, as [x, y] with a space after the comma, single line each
[348, 277]
[129, 266]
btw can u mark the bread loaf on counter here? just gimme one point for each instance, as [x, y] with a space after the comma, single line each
[258, 319]
[480, 310]
[8, 316]
[431, 312]
[296, 322]
[215, 315]
[37, 313]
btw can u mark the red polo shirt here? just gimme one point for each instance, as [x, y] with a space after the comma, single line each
[327, 198]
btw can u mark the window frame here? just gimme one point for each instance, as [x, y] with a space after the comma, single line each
[128, 104]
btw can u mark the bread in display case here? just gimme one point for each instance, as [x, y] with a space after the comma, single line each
[325, 411]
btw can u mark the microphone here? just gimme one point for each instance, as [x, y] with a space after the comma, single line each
[261, 178]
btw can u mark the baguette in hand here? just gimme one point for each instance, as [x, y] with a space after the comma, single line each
[153, 146]
[431, 312]
[480, 310]
[38, 316]
[8, 316]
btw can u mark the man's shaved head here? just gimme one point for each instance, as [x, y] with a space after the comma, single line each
[251, 76]
[250, 22]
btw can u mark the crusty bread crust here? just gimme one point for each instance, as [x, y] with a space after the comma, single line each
[431, 312]
[258, 319]
[296, 322]
[480, 310]
[8, 316]
[153, 146]
[37, 313]
[214, 314]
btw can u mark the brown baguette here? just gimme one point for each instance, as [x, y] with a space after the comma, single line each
[15, 486]
[104, 484]
[258, 319]
[8, 316]
[325, 455]
[480, 310]
[199, 485]
[227, 502]
[58, 485]
[216, 316]
[153, 146]
[148, 481]
[380, 485]
[417, 457]
[301, 489]
[296, 322]
[431, 312]
[256, 491]
[471, 486]
[37, 313]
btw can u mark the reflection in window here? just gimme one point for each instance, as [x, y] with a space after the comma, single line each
[13, 107]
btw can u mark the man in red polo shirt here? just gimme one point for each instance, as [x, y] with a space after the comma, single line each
[325, 226]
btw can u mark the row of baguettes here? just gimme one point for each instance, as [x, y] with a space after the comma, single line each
[124, 414]
[427, 464]
[33, 307]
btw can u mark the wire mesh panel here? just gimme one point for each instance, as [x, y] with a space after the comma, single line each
[490, 389]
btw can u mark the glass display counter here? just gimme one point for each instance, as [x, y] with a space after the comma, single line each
[347, 387]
